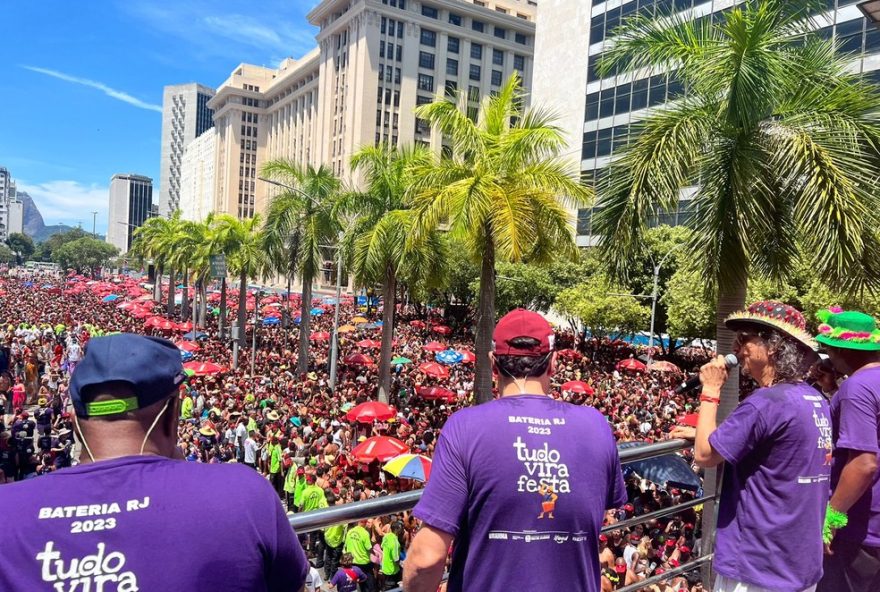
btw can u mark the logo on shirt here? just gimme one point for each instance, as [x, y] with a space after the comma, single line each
[101, 571]
[824, 427]
[545, 475]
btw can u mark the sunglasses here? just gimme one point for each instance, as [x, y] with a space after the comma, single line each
[745, 336]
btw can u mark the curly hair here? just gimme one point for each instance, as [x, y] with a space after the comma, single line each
[790, 359]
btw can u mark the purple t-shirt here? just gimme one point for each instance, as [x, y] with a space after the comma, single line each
[149, 523]
[855, 412]
[523, 483]
[344, 581]
[777, 445]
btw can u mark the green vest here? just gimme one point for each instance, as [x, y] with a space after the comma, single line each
[334, 535]
[357, 542]
[390, 554]
[313, 498]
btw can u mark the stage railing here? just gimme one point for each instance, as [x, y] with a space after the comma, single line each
[392, 504]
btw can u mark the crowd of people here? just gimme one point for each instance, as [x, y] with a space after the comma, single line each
[294, 429]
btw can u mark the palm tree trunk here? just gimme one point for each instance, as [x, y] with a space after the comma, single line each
[203, 314]
[172, 280]
[221, 322]
[184, 299]
[302, 364]
[389, 298]
[242, 310]
[157, 285]
[485, 323]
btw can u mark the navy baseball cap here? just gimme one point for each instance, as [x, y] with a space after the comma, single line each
[149, 365]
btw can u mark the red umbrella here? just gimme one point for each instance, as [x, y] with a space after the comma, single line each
[185, 326]
[190, 346]
[417, 324]
[688, 420]
[433, 346]
[577, 386]
[569, 354]
[431, 393]
[380, 448]
[369, 344]
[631, 364]
[371, 411]
[204, 368]
[320, 336]
[442, 329]
[358, 360]
[469, 357]
[663, 366]
[434, 369]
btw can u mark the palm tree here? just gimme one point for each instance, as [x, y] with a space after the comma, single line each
[781, 136]
[299, 221]
[247, 260]
[220, 241]
[505, 190]
[199, 250]
[153, 240]
[376, 241]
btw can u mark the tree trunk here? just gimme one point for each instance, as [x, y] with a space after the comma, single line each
[184, 298]
[389, 298]
[157, 285]
[305, 316]
[172, 279]
[242, 311]
[485, 324]
[221, 322]
[203, 314]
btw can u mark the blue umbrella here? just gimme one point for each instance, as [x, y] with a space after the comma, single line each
[185, 355]
[193, 335]
[297, 320]
[317, 311]
[371, 325]
[271, 321]
[28, 284]
[449, 357]
[109, 298]
[329, 300]
[48, 287]
[663, 470]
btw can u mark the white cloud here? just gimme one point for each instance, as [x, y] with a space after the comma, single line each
[110, 92]
[70, 202]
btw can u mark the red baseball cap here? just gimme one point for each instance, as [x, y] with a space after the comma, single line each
[523, 323]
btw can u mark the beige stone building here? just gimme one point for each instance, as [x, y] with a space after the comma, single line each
[376, 60]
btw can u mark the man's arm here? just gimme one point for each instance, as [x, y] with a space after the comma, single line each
[855, 479]
[423, 568]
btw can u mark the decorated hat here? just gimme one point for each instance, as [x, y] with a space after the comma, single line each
[773, 315]
[848, 329]
[207, 431]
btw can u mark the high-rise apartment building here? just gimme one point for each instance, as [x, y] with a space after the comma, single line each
[573, 34]
[131, 203]
[197, 177]
[185, 116]
[376, 60]
[11, 207]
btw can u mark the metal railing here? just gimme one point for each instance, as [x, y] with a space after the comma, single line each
[391, 504]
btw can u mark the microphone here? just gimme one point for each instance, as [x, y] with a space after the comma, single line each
[694, 381]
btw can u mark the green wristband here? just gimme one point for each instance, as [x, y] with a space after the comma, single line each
[833, 521]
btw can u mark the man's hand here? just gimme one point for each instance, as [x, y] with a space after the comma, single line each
[683, 432]
[714, 374]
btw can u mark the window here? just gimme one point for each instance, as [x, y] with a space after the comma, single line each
[396, 75]
[496, 77]
[429, 38]
[606, 103]
[501, 10]
[519, 63]
[452, 67]
[520, 38]
[426, 82]
[657, 90]
[421, 100]
[604, 142]
[397, 98]
[454, 19]
[381, 72]
[426, 60]
[390, 52]
[476, 51]
[591, 112]
[478, 26]
[452, 45]
[399, 57]
[474, 94]
[473, 113]
[475, 72]
[501, 32]
[429, 11]
[597, 29]
[451, 88]
[384, 25]
[400, 30]
[382, 49]
[497, 57]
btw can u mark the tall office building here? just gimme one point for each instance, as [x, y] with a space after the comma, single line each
[131, 203]
[374, 63]
[197, 177]
[11, 207]
[573, 34]
[185, 116]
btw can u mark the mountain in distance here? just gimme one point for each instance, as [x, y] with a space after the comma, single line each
[34, 226]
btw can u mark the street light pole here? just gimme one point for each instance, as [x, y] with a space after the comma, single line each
[94, 222]
[334, 343]
[654, 300]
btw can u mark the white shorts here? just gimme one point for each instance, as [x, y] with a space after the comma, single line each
[723, 584]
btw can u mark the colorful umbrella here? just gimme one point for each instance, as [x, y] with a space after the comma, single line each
[369, 344]
[378, 448]
[442, 329]
[317, 312]
[192, 335]
[371, 411]
[577, 386]
[204, 368]
[409, 466]
[188, 346]
[433, 346]
[631, 364]
[434, 369]
[358, 320]
[399, 360]
[663, 366]
[433, 393]
[271, 321]
[358, 360]
[467, 356]
[320, 336]
[347, 329]
[449, 357]
[417, 324]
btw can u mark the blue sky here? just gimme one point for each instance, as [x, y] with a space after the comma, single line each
[81, 84]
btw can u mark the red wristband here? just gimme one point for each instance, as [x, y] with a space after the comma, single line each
[705, 399]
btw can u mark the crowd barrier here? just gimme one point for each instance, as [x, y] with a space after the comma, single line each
[391, 504]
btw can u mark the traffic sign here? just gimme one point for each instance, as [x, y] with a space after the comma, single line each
[218, 266]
